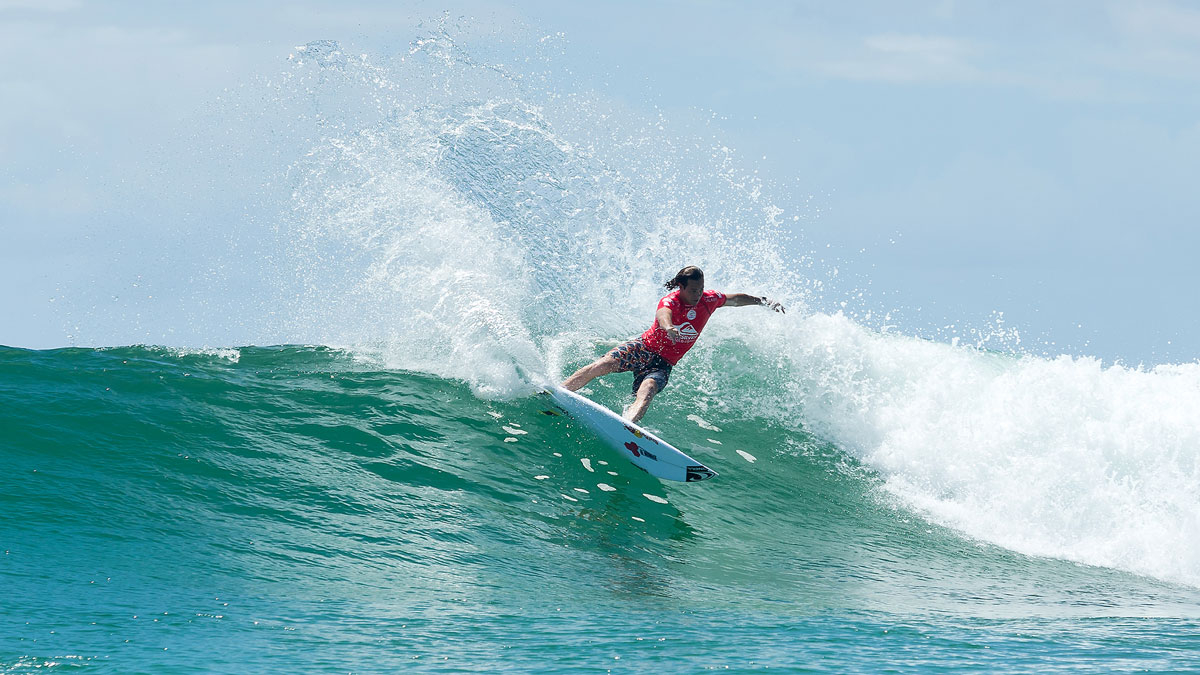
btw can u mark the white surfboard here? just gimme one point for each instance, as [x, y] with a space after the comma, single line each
[647, 451]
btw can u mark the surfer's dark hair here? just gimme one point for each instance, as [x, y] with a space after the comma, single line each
[683, 276]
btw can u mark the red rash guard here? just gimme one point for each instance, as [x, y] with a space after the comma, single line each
[689, 319]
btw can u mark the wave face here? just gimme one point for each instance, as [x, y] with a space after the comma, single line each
[443, 223]
[245, 508]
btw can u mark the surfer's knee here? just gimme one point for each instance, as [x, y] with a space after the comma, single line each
[648, 389]
[589, 372]
[605, 366]
[602, 366]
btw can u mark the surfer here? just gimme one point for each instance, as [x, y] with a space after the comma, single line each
[680, 317]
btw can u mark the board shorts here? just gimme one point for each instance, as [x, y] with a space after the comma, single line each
[635, 356]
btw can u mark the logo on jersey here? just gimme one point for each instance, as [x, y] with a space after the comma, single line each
[687, 333]
[691, 314]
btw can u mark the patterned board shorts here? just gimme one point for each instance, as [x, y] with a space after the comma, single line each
[635, 356]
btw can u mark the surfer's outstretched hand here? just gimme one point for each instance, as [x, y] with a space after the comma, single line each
[767, 302]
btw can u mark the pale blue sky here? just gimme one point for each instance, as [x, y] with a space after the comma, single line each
[1027, 157]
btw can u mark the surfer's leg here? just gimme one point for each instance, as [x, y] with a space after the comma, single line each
[645, 394]
[627, 356]
[602, 366]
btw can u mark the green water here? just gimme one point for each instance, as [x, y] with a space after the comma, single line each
[303, 509]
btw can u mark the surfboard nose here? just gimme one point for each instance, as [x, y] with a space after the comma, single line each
[698, 472]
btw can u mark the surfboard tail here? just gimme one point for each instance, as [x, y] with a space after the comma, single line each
[541, 382]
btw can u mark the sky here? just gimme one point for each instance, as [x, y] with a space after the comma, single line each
[964, 158]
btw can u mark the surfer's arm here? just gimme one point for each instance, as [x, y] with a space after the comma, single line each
[663, 318]
[744, 299]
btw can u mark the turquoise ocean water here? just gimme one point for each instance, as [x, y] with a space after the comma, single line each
[297, 508]
[381, 491]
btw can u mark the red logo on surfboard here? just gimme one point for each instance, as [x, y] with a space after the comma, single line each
[639, 451]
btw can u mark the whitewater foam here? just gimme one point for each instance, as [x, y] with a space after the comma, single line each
[1055, 457]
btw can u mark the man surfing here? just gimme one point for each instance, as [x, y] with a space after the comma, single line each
[680, 317]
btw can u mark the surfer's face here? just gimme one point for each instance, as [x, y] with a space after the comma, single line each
[691, 293]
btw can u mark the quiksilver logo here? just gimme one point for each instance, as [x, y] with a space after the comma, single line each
[687, 332]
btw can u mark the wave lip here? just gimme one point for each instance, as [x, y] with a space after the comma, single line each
[1052, 457]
